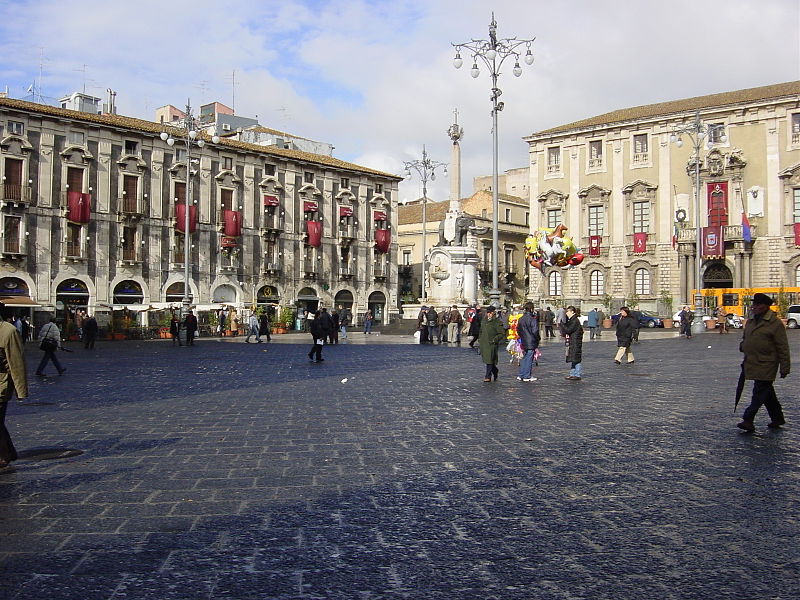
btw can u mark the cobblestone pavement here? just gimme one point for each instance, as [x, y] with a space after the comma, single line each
[242, 471]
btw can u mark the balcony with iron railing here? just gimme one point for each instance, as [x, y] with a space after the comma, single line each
[11, 192]
[273, 224]
[346, 270]
[272, 267]
[13, 246]
[310, 269]
[74, 250]
[730, 233]
[380, 270]
[347, 232]
[641, 158]
[595, 163]
[130, 206]
[554, 169]
[405, 270]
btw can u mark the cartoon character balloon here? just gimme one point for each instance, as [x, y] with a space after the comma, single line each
[549, 247]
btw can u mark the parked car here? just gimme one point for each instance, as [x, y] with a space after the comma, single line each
[646, 319]
[793, 316]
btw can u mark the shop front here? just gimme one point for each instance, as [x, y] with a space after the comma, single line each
[377, 304]
[72, 297]
[307, 300]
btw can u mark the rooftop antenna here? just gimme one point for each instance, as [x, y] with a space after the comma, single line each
[38, 87]
[83, 70]
[203, 87]
[233, 91]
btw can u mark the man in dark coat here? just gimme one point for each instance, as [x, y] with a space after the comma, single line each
[626, 325]
[529, 337]
[433, 324]
[319, 331]
[90, 329]
[190, 325]
[574, 333]
[549, 319]
[264, 326]
[766, 351]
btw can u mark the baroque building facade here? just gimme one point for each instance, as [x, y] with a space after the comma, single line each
[93, 209]
[626, 192]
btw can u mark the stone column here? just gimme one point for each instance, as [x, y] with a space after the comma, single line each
[455, 133]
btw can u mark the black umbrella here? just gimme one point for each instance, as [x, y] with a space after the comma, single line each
[739, 388]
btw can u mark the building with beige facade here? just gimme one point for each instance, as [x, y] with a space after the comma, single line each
[93, 209]
[626, 193]
[513, 226]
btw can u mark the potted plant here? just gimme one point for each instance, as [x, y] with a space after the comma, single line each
[666, 299]
[163, 324]
[607, 300]
[284, 322]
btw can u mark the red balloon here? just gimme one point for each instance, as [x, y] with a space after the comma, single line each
[576, 259]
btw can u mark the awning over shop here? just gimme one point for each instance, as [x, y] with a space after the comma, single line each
[207, 306]
[18, 301]
[130, 307]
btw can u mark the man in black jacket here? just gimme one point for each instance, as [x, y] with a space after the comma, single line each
[529, 337]
[321, 326]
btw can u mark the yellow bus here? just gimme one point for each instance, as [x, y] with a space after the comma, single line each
[738, 300]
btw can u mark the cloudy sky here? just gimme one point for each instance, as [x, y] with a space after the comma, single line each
[375, 77]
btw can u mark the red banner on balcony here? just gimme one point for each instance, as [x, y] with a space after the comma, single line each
[379, 215]
[594, 245]
[314, 231]
[271, 200]
[229, 242]
[639, 243]
[345, 211]
[79, 207]
[797, 235]
[383, 239]
[713, 243]
[180, 218]
[233, 223]
[309, 206]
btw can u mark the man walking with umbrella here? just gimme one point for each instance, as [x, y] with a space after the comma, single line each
[766, 352]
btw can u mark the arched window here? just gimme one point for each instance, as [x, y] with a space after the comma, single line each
[642, 282]
[554, 283]
[797, 276]
[597, 284]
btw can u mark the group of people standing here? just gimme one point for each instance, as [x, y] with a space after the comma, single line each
[326, 327]
[189, 325]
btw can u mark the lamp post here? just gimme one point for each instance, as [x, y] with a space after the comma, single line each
[493, 53]
[697, 131]
[190, 139]
[426, 169]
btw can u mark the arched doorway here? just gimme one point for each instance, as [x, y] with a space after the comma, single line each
[717, 275]
[14, 293]
[174, 293]
[72, 295]
[307, 299]
[268, 299]
[343, 298]
[377, 304]
[13, 286]
[128, 292]
[225, 294]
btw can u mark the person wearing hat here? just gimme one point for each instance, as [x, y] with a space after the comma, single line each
[13, 378]
[766, 352]
[491, 334]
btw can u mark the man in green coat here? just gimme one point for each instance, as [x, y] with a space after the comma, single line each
[13, 377]
[766, 349]
[492, 333]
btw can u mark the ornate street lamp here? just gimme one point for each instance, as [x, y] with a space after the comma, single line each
[190, 139]
[426, 169]
[493, 53]
[697, 131]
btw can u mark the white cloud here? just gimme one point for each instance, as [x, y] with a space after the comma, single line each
[375, 78]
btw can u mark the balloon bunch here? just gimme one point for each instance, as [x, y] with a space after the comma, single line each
[514, 346]
[549, 247]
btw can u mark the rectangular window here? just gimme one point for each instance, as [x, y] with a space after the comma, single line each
[345, 183]
[226, 200]
[595, 154]
[129, 243]
[270, 254]
[16, 127]
[308, 177]
[483, 213]
[12, 188]
[641, 217]
[796, 208]
[378, 188]
[596, 215]
[180, 155]
[508, 215]
[641, 152]
[553, 217]
[487, 257]
[227, 163]
[715, 132]
[269, 170]
[11, 234]
[554, 159]
[131, 147]
[180, 192]
[178, 250]
[406, 257]
[796, 128]
[130, 194]
[527, 218]
[509, 258]
[75, 179]
[74, 240]
[77, 137]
